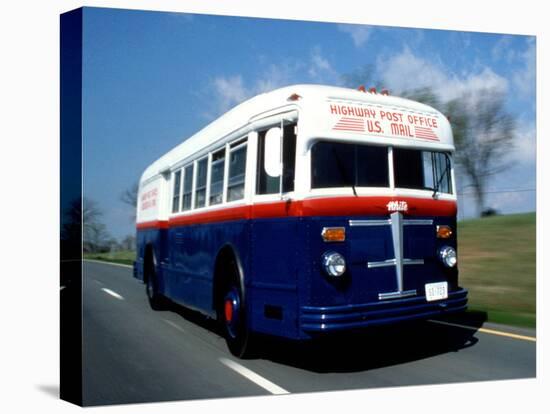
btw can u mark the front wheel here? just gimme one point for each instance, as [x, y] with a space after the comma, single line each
[232, 314]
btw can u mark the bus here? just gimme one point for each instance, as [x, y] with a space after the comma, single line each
[303, 211]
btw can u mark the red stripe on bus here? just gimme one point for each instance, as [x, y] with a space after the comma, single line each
[153, 224]
[326, 206]
[222, 214]
[353, 206]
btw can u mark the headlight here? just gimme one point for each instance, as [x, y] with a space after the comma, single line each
[334, 264]
[448, 256]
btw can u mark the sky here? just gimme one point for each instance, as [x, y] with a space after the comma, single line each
[152, 79]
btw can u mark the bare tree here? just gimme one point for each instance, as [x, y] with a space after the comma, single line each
[426, 95]
[363, 75]
[483, 133]
[129, 197]
[95, 235]
[483, 129]
[128, 243]
[71, 223]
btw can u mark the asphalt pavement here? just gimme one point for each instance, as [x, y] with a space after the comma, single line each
[132, 354]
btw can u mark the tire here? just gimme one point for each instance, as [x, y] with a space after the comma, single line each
[233, 318]
[156, 300]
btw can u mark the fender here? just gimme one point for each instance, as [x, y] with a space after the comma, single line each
[229, 247]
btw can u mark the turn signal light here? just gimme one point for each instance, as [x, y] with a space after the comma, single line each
[333, 234]
[443, 232]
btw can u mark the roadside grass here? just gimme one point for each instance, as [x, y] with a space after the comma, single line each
[126, 257]
[497, 264]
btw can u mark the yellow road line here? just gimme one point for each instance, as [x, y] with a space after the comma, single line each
[488, 331]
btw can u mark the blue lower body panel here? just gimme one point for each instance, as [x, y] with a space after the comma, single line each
[315, 319]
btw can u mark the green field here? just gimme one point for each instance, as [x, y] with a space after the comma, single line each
[497, 265]
[123, 257]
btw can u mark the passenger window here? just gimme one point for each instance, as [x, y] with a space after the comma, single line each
[216, 177]
[200, 191]
[265, 183]
[187, 187]
[176, 192]
[237, 170]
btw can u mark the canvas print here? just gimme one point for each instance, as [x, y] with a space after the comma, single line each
[258, 206]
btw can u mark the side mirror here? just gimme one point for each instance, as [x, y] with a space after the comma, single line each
[272, 152]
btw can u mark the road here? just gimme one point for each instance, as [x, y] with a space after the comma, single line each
[133, 354]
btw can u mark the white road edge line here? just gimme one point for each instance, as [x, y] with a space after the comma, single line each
[108, 263]
[174, 325]
[114, 294]
[487, 331]
[252, 376]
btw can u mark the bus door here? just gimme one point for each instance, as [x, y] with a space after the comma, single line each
[273, 232]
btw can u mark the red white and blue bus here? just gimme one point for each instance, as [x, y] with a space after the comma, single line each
[303, 211]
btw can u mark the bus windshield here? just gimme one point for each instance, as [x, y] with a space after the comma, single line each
[335, 164]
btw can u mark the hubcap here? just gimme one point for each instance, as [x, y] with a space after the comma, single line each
[228, 310]
[231, 308]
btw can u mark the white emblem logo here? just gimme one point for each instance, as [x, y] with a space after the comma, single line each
[395, 205]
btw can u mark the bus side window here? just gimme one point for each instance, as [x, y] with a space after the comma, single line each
[216, 177]
[237, 169]
[187, 187]
[176, 192]
[200, 191]
[267, 184]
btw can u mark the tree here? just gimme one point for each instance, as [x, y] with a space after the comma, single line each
[129, 197]
[81, 223]
[128, 243]
[95, 235]
[483, 133]
[363, 75]
[483, 129]
[426, 95]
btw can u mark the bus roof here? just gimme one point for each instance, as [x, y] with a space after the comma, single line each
[239, 116]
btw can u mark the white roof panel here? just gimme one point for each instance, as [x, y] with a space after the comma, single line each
[319, 98]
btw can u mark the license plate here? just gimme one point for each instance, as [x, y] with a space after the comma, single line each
[436, 291]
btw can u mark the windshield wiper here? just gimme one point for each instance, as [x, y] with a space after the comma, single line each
[443, 174]
[343, 172]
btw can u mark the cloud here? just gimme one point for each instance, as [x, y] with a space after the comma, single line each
[230, 90]
[406, 71]
[276, 76]
[502, 50]
[319, 67]
[525, 78]
[526, 142]
[359, 33]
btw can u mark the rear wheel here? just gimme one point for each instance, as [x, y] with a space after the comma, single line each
[156, 300]
[232, 315]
